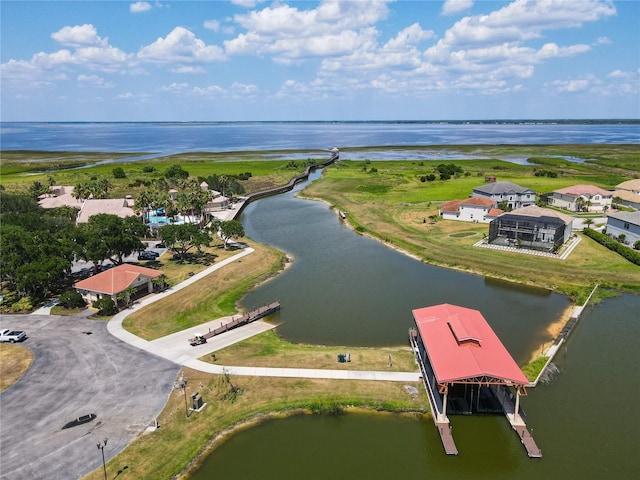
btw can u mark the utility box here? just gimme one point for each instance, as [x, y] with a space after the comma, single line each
[196, 401]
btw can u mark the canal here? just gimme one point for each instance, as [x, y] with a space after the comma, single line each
[345, 289]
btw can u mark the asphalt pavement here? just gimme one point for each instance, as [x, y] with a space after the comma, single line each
[78, 369]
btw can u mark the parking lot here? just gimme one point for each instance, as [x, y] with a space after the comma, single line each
[79, 369]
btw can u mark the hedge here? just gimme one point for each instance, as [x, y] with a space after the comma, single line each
[614, 245]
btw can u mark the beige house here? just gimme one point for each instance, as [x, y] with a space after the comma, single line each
[122, 207]
[581, 198]
[117, 280]
[629, 193]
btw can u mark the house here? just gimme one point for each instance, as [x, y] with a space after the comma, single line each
[122, 207]
[531, 227]
[472, 209]
[629, 193]
[116, 280]
[513, 196]
[580, 198]
[60, 196]
[624, 223]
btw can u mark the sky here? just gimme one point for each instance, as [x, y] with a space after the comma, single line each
[254, 60]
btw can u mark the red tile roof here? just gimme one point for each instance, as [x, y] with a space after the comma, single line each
[450, 206]
[461, 345]
[116, 279]
[478, 201]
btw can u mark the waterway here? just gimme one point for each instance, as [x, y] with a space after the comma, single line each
[346, 289]
[584, 421]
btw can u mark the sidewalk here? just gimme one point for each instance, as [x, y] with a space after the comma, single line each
[176, 348]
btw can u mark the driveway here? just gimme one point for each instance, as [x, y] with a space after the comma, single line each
[76, 373]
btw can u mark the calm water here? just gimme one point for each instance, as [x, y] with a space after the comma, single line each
[346, 289]
[585, 423]
[166, 138]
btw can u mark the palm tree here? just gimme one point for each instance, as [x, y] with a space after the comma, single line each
[588, 222]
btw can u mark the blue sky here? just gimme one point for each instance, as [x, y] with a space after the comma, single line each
[243, 60]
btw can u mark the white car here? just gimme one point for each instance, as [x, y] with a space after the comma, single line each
[12, 336]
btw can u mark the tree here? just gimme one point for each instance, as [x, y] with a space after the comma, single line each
[71, 299]
[110, 237]
[182, 238]
[176, 172]
[616, 202]
[105, 306]
[588, 222]
[118, 172]
[231, 229]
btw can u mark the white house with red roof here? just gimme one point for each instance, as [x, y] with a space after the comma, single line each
[472, 209]
[578, 198]
[117, 280]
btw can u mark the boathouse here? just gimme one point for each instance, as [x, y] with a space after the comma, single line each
[467, 370]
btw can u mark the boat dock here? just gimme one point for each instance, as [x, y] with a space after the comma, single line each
[517, 421]
[244, 319]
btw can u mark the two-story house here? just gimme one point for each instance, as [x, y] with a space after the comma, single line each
[513, 196]
[624, 223]
[581, 198]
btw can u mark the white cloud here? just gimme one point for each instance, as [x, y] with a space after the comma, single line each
[139, 7]
[246, 3]
[333, 28]
[615, 84]
[451, 7]
[212, 25]
[78, 36]
[181, 46]
[211, 90]
[94, 81]
[189, 69]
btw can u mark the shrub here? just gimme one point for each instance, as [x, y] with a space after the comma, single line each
[71, 299]
[22, 305]
[611, 244]
[118, 172]
[637, 245]
[149, 169]
[105, 307]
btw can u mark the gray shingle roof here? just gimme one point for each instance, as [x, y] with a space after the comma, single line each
[498, 188]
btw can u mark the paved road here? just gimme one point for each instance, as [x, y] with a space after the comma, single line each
[74, 374]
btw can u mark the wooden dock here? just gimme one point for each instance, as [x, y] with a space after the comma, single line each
[444, 429]
[244, 319]
[527, 440]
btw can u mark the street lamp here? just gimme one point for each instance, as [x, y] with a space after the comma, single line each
[183, 384]
[101, 448]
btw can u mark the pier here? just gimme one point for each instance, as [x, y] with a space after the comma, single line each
[244, 319]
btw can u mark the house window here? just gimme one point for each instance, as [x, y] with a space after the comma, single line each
[626, 225]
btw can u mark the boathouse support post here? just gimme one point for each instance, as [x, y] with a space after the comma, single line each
[517, 407]
[444, 402]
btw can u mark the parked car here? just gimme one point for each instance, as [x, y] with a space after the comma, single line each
[161, 245]
[12, 336]
[148, 255]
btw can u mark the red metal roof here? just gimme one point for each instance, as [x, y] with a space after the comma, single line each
[461, 345]
[116, 279]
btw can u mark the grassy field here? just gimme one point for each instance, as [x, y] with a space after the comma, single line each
[15, 360]
[394, 205]
[269, 350]
[212, 297]
[20, 169]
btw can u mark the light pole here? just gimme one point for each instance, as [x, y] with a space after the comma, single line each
[183, 384]
[101, 448]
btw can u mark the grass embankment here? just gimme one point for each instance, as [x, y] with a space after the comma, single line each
[212, 297]
[394, 206]
[269, 350]
[15, 360]
[181, 442]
